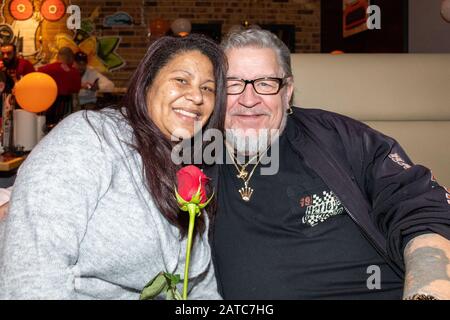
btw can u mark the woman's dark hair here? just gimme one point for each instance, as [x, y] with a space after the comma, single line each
[155, 148]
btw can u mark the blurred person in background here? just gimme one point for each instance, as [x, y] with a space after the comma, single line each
[92, 81]
[13, 65]
[68, 80]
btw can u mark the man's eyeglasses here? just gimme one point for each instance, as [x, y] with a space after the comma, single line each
[264, 86]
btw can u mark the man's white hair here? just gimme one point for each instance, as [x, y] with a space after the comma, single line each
[255, 37]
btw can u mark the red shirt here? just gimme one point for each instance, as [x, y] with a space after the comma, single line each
[24, 67]
[68, 82]
[20, 68]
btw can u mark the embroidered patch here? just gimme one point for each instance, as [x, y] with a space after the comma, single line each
[305, 201]
[320, 208]
[399, 160]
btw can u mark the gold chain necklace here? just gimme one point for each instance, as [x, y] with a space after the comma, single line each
[242, 173]
[246, 192]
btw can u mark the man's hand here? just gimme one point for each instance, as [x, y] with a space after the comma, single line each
[4, 210]
[95, 86]
[86, 85]
[427, 261]
[90, 86]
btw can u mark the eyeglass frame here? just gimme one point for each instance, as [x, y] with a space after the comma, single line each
[281, 83]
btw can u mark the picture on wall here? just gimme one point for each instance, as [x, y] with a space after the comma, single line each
[354, 16]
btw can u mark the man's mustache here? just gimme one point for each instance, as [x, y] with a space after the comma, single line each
[249, 112]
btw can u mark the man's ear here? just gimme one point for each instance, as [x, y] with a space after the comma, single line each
[289, 89]
[2, 86]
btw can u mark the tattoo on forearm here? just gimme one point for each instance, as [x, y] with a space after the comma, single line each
[424, 266]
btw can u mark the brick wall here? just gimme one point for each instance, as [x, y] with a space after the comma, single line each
[304, 14]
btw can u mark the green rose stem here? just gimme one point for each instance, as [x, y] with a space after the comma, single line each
[165, 282]
[192, 209]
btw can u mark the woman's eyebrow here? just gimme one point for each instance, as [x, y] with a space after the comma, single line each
[184, 71]
[191, 75]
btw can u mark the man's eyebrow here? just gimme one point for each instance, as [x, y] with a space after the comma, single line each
[270, 75]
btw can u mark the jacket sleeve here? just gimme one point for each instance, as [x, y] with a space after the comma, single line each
[405, 198]
[55, 194]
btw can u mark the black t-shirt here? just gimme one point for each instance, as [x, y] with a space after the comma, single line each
[293, 239]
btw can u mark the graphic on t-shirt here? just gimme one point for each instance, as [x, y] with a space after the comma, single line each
[320, 208]
[399, 160]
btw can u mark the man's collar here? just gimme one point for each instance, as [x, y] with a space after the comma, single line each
[292, 131]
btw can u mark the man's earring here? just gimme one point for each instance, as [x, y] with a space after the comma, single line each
[290, 111]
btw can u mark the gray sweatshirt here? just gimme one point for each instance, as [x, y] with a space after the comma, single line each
[82, 225]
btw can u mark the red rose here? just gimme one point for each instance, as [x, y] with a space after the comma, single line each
[189, 179]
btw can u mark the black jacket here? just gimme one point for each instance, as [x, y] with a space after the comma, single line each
[387, 196]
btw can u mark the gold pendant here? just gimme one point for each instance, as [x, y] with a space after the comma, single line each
[246, 193]
[242, 174]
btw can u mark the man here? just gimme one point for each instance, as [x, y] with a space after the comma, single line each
[347, 215]
[14, 66]
[6, 83]
[67, 79]
[91, 82]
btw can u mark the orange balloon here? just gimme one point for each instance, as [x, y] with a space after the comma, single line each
[36, 92]
[159, 27]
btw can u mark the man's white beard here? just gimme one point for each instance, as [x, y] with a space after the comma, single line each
[249, 142]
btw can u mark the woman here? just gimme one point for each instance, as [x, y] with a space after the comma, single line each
[93, 214]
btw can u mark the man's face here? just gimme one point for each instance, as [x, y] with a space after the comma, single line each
[250, 110]
[8, 54]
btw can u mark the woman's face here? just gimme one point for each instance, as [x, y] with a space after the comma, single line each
[182, 94]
